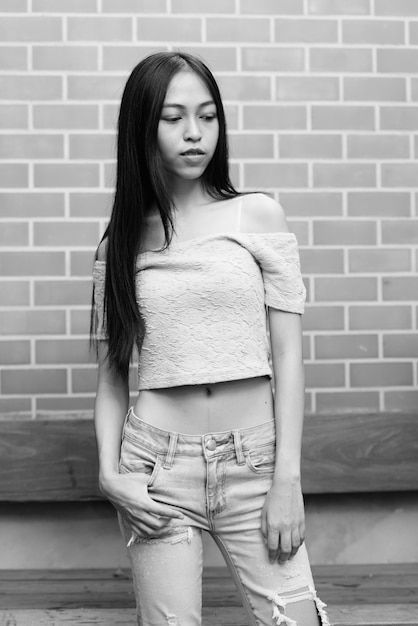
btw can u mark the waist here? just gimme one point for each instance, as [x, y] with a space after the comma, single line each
[213, 407]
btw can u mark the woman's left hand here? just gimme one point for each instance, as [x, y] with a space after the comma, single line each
[283, 520]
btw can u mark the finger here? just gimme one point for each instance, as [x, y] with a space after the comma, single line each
[162, 510]
[296, 543]
[285, 547]
[272, 544]
[264, 526]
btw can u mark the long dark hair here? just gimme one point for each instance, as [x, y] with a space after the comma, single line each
[141, 184]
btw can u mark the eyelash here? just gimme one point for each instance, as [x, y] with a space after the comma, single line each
[207, 118]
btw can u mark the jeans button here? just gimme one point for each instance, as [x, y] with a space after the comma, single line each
[211, 444]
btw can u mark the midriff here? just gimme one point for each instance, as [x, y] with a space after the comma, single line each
[199, 409]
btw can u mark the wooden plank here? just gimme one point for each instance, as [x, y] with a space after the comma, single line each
[55, 459]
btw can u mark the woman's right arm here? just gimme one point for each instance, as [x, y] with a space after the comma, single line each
[127, 492]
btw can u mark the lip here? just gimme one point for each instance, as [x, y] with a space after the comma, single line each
[193, 152]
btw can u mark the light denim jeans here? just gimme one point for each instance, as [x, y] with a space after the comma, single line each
[219, 482]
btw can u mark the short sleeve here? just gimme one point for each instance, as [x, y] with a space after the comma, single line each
[278, 257]
[99, 275]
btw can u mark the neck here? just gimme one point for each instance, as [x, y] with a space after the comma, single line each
[187, 194]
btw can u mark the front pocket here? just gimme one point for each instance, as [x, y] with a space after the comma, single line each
[140, 460]
[261, 461]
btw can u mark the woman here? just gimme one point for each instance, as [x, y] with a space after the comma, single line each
[191, 272]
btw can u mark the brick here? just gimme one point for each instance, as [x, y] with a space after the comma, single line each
[31, 87]
[380, 317]
[381, 32]
[400, 7]
[400, 345]
[377, 146]
[134, 6]
[247, 146]
[63, 292]
[244, 88]
[14, 234]
[66, 175]
[65, 58]
[238, 29]
[400, 288]
[232, 115]
[13, 58]
[95, 87]
[273, 58]
[399, 118]
[15, 405]
[405, 400]
[399, 174]
[306, 31]
[323, 318]
[312, 203]
[13, 116]
[32, 146]
[306, 348]
[34, 381]
[64, 404]
[414, 89]
[340, 117]
[14, 293]
[13, 6]
[99, 28]
[218, 58]
[191, 6]
[13, 175]
[272, 175]
[348, 346]
[379, 260]
[400, 231]
[275, 117]
[164, 28]
[307, 88]
[81, 263]
[80, 322]
[30, 28]
[413, 33]
[31, 204]
[32, 263]
[381, 374]
[16, 352]
[110, 174]
[271, 7]
[123, 57]
[64, 6]
[317, 261]
[61, 351]
[378, 203]
[320, 375]
[376, 89]
[345, 289]
[397, 61]
[66, 233]
[101, 147]
[339, 7]
[347, 401]
[340, 60]
[90, 204]
[84, 380]
[44, 322]
[416, 146]
[66, 116]
[303, 146]
[301, 230]
[344, 232]
[110, 116]
[344, 175]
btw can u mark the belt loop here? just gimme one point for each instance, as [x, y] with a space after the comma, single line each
[238, 447]
[168, 463]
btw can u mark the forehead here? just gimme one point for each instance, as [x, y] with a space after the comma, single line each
[187, 88]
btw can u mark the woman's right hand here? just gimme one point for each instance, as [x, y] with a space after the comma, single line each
[129, 495]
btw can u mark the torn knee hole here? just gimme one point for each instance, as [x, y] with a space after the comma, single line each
[280, 602]
[177, 535]
[172, 620]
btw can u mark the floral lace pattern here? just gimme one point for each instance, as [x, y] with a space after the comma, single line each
[203, 301]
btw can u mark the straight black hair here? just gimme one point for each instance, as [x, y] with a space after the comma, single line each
[141, 184]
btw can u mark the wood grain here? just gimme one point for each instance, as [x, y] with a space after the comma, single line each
[55, 459]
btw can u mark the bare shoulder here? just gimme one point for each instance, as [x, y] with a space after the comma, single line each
[102, 251]
[262, 214]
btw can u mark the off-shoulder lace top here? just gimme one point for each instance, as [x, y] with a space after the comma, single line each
[204, 305]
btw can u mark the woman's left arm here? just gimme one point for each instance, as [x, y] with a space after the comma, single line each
[283, 519]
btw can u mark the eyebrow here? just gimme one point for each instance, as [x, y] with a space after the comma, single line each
[181, 106]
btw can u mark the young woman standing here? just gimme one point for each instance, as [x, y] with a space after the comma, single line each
[206, 283]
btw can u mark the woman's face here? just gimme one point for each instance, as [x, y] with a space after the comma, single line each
[188, 129]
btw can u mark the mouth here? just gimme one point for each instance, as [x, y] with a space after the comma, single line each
[193, 152]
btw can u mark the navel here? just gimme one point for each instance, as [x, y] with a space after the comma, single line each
[208, 391]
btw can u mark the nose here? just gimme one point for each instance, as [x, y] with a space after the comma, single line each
[192, 130]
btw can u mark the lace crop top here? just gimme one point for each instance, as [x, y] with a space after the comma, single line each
[203, 301]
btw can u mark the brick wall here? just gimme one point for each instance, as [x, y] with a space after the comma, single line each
[322, 103]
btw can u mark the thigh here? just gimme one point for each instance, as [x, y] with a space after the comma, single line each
[167, 577]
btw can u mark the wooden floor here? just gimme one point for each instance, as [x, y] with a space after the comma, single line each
[360, 595]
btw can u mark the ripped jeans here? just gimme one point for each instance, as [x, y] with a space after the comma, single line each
[219, 482]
